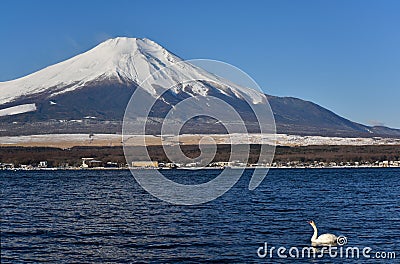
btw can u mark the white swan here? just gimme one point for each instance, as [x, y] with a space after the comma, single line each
[322, 240]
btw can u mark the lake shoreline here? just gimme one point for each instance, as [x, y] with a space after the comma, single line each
[199, 169]
[284, 157]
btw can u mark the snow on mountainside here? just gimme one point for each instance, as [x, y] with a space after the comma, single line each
[124, 59]
[19, 109]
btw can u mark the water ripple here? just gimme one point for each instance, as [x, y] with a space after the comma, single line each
[104, 216]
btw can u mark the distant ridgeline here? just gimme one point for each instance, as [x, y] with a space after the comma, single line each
[293, 116]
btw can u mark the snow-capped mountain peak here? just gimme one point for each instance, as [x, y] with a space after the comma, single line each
[99, 83]
[122, 59]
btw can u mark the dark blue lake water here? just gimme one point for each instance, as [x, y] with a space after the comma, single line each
[105, 216]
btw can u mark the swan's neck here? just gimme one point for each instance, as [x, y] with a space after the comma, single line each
[315, 235]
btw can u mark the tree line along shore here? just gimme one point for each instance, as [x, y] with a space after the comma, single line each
[301, 156]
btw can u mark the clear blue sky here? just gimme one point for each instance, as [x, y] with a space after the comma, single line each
[343, 55]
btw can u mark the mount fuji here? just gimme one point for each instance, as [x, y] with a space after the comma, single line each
[89, 93]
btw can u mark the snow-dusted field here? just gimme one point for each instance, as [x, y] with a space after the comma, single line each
[70, 140]
[293, 140]
[62, 140]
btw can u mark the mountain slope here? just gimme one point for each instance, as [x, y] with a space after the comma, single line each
[89, 93]
[120, 60]
[296, 116]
